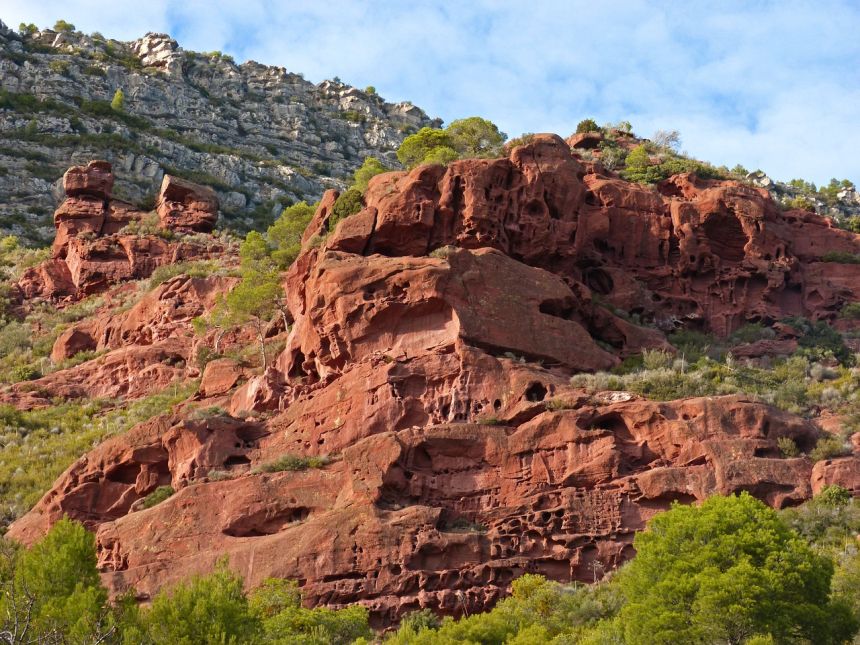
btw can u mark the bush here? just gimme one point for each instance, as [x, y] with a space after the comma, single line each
[293, 463]
[587, 125]
[348, 203]
[157, 496]
[723, 572]
[851, 311]
[788, 447]
[117, 101]
[63, 26]
[829, 448]
[841, 257]
[210, 609]
[369, 169]
[285, 235]
[820, 341]
[464, 138]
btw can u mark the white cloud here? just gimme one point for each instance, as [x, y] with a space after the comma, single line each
[766, 84]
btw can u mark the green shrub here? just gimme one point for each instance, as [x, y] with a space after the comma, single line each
[118, 100]
[473, 137]
[369, 169]
[725, 571]
[210, 609]
[820, 341]
[788, 447]
[59, 66]
[285, 235]
[851, 311]
[587, 125]
[63, 26]
[157, 496]
[293, 463]
[841, 257]
[829, 448]
[348, 203]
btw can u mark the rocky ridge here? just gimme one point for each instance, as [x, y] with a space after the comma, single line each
[261, 136]
[427, 366]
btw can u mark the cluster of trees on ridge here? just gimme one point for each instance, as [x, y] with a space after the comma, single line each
[731, 570]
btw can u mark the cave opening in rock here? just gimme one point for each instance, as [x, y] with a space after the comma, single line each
[726, 236]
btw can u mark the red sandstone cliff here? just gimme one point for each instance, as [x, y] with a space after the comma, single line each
[434, 335]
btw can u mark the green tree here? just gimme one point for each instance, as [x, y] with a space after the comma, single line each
[416, 147]
[587, 125]
[26, 29]
[52, 591]
[369, 169]
[259, 294]
[285, 234]
[63, 26]
[348, 203]
[637, 164]
[118, 100]
[727, 571]
[475, 137]
[370, 89]
[203, 611]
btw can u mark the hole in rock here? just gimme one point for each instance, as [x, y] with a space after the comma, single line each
[536, 392]
[726, 236]
[497, 405]
[296, 370]
[599, 281]
[124, 473]
[611, 421]
[560, 308]
[265, 522]
[251, 434]
[236, 460]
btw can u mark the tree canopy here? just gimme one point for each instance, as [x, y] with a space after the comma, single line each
[727, 571]
[464, 138]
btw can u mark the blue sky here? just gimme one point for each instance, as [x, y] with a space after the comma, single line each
[771, 85]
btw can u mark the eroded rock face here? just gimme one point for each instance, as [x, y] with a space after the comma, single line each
[434, 335]
[186, 207]
[92, 252]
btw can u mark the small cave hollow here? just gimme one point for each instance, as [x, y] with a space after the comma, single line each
[266, 523]
[536, 392]
[599, 281]
[726, 236]
[236, 461]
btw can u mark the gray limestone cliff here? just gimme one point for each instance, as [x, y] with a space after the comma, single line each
[261, 136]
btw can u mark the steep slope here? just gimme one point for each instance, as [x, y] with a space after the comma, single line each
[260, 136]
[418, 442]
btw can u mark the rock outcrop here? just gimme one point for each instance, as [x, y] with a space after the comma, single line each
[93, 248]
[434, 335]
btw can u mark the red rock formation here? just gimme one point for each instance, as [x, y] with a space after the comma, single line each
[185, 206]
[434, 335]
[91, 252]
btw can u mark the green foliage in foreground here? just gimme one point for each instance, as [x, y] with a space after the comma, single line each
[725, 572]
[285, 235]
[52, 593]
[729, 571]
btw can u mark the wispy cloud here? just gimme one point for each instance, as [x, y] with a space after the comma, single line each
[767, 84]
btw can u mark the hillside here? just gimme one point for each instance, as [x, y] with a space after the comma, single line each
[469, 377]
[458, 382]
[261, 136]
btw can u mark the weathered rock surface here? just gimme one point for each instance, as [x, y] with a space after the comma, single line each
[186, 207]
[92, 252]
[434, 335]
